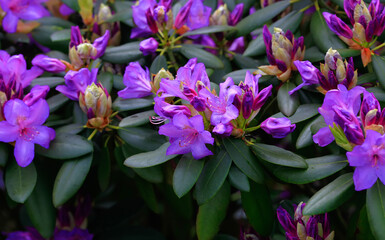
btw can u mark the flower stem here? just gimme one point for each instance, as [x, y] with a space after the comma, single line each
[378, 47]
[92, 135]
[252, 128]
[113, 127]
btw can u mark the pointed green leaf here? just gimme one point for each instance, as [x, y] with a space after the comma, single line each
[150, 174]
[48, 81]
[287, 104]
[186, 174]
[125, 53]
[305, 137]
[132, 104]
[209, 29]
[55, 102]
[142, 138]
[20, 181]
[212, 177]
[375, 204]
[238, 179]
[70, 178]
[210, 60]
[331, 196]
[158, 63]
[146, 190]
[379, 68]
[136, 119]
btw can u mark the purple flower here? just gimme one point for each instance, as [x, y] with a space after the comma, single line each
[30, 234]
[187, 135]
[137, 81]
[77, 81]
[370, 114]
[49, 64]
[21, 9]
[278, 127]
[238, 45]
[65, 10]
[369, 160]
[75, 234]
[148, 46]
[36, 93]
[349, 101]
[23, 124]
[337, 25]
[308, 73]
[167, 110]
[236, 14]
[194, 15]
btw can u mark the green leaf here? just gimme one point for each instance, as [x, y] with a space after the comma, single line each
[318, 168]
[106, 79]
[62, 35]
[287, 104]
[258, 208]
[331, 196]
[125, 53]
[49, 81]
[278, 156]
[238, 179]
[260, 17]
[72, 4]
[379, 93]
[121, 104]
[209, 29]
[40, 209]
[66, 146]
[142, 138]
[375, 204]
[120, 16]
[211, 214]
[55, 21]
[239, 75]
[55, 102]
[136, 119]
[313, 54]
[244, 159]
[118, 82]
[379, 69]
[42, 35]
[186, 174]
[70, 178]
[367, 78]
[323, 37]
[347, 52]
[158, 63]
[340, 3]
[151, 174]
[20, 181]
[149, 159]
[212, 177]
[305, 137]
[146, 190]
[290, 22]
[304, 112]
[210, 60]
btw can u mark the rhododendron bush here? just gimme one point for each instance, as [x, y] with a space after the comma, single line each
[192, 119]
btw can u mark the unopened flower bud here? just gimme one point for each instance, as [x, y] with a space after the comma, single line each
[278, 127]
[148, 46]
[104, 13]
[160, 75]
[86, 50]
[220, 16]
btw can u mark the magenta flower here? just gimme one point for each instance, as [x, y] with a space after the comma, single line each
[148, 46]
[137, 81]
[187, 135]
[77, 81]
[23, 124]
[21, 9]
[278, 127]
[49, 64]
[166, 110]
[369, 160]
[36, 93]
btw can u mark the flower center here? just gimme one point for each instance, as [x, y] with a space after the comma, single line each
[28, 133]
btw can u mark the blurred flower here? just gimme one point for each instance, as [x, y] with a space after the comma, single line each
[222, 16]
[137, 81]
[21, 9]
[23, 124]
[371, 115]
[193, 15]
[332, 73]
[49, 64]
[77, 81]
[166, 110]
[304, 227]
[187, 135]
[96, 103]
[36, 93]
[30, 234]
[282, 50]
[148, 46]
[369, 160]
[101, 26]
[367, 24]
[278, 127]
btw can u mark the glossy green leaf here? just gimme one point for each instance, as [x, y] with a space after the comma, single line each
[258, 208]
[136, 119]
[125, 53]
[42, 35]
[121, 104]
[304, 112]
[70, 178]
[331, 196]
[347, 52]
[247, 62]
[118, 82]
[72, 4]
[260, 17]
[367, 78]
[49, 81]
[158, 63]
[290, 22]
[57, 101]
[106, 79]
[121, 16]
[379, 68]
[278, 156]
[212, 213]
[55, 21]
[318, 168]
[313, 54]
[244, 159]
[20, 181]
[146, 190]
[40, 209]
[375, 204]
[142, 138]
[66, 146]
[287, 104]
[62, 35]
[238, 179]
[209, 29]
[323, 37]
[305, 137]
[210, 60]
[186, 174]
[150, 174]
[212, 177]
[149, 159]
